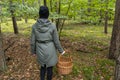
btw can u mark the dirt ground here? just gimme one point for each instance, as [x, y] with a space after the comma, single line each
[21, 65]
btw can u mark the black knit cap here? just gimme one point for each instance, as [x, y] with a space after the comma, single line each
[43, 12]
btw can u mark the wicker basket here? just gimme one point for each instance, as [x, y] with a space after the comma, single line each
[64, 65]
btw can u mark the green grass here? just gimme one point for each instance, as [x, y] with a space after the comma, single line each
[24, 28]
[92, 66]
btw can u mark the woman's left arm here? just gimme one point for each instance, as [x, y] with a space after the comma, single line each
[57, 42]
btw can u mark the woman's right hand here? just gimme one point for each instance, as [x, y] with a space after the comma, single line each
[63, 53]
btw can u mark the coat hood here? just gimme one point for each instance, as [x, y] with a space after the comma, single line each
[43, 25]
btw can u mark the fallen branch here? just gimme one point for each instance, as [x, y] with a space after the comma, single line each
[84, 51]
[9, 46]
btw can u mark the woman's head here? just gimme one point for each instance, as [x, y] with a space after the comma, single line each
[44, 12]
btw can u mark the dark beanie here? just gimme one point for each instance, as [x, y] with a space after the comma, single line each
[43, 12]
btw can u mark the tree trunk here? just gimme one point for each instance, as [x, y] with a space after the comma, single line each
[65, 19]
[26, 20]
[45, 4]
[117, 69]
[115, 39]
[106, 18]
[100, 19]
[0, 18]
[58, 11]
[2, 56]
[14, 20]
[51, 7]
[14, 24]
[100, 13]
[89, 5]
[39, 3]
[106, 22]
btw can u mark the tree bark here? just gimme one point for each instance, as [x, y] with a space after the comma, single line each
[51, 8]
[26, 20]
[0, 18]
[39, 3]
[14, 24]
[100, 13]
[117, 69]
[58, 4]
[65, 19]
[106, 22]
[2, 56]
[115, 39]
[14, 19]
[45, 4]
[89, 5]
[51, 5]
[100, 19]
[106, 18]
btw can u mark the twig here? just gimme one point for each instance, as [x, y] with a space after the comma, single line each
[84, 51]
[9, 46]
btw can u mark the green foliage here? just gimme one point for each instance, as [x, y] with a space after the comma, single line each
[86, 12]
[88, 72]
[4, 13]
[76, 70]
[54, 15]
[27, 12]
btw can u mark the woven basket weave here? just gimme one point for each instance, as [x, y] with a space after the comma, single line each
[64, 65]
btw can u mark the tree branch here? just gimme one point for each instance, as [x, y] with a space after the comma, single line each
[9, 46]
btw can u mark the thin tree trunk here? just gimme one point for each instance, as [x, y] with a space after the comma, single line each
[0, 28]
[26, 20]
[2, 55]
[115, 39]
[100, 19]
[14, 24]
[100, 13]
[39, 3]
[58, 11]
[89, 5]
[106, 22]
[65, 19]
[106, 18]
[0, 18]
[14, 20]
[45, 4]
[51, 7]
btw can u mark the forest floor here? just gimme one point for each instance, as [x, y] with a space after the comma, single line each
[87, 45]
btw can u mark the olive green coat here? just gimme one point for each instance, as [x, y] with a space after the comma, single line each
[44, 42]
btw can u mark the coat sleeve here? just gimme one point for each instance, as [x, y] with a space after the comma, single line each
[33, 45]
[56, 40]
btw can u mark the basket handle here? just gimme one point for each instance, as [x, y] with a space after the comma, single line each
[63, 54]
